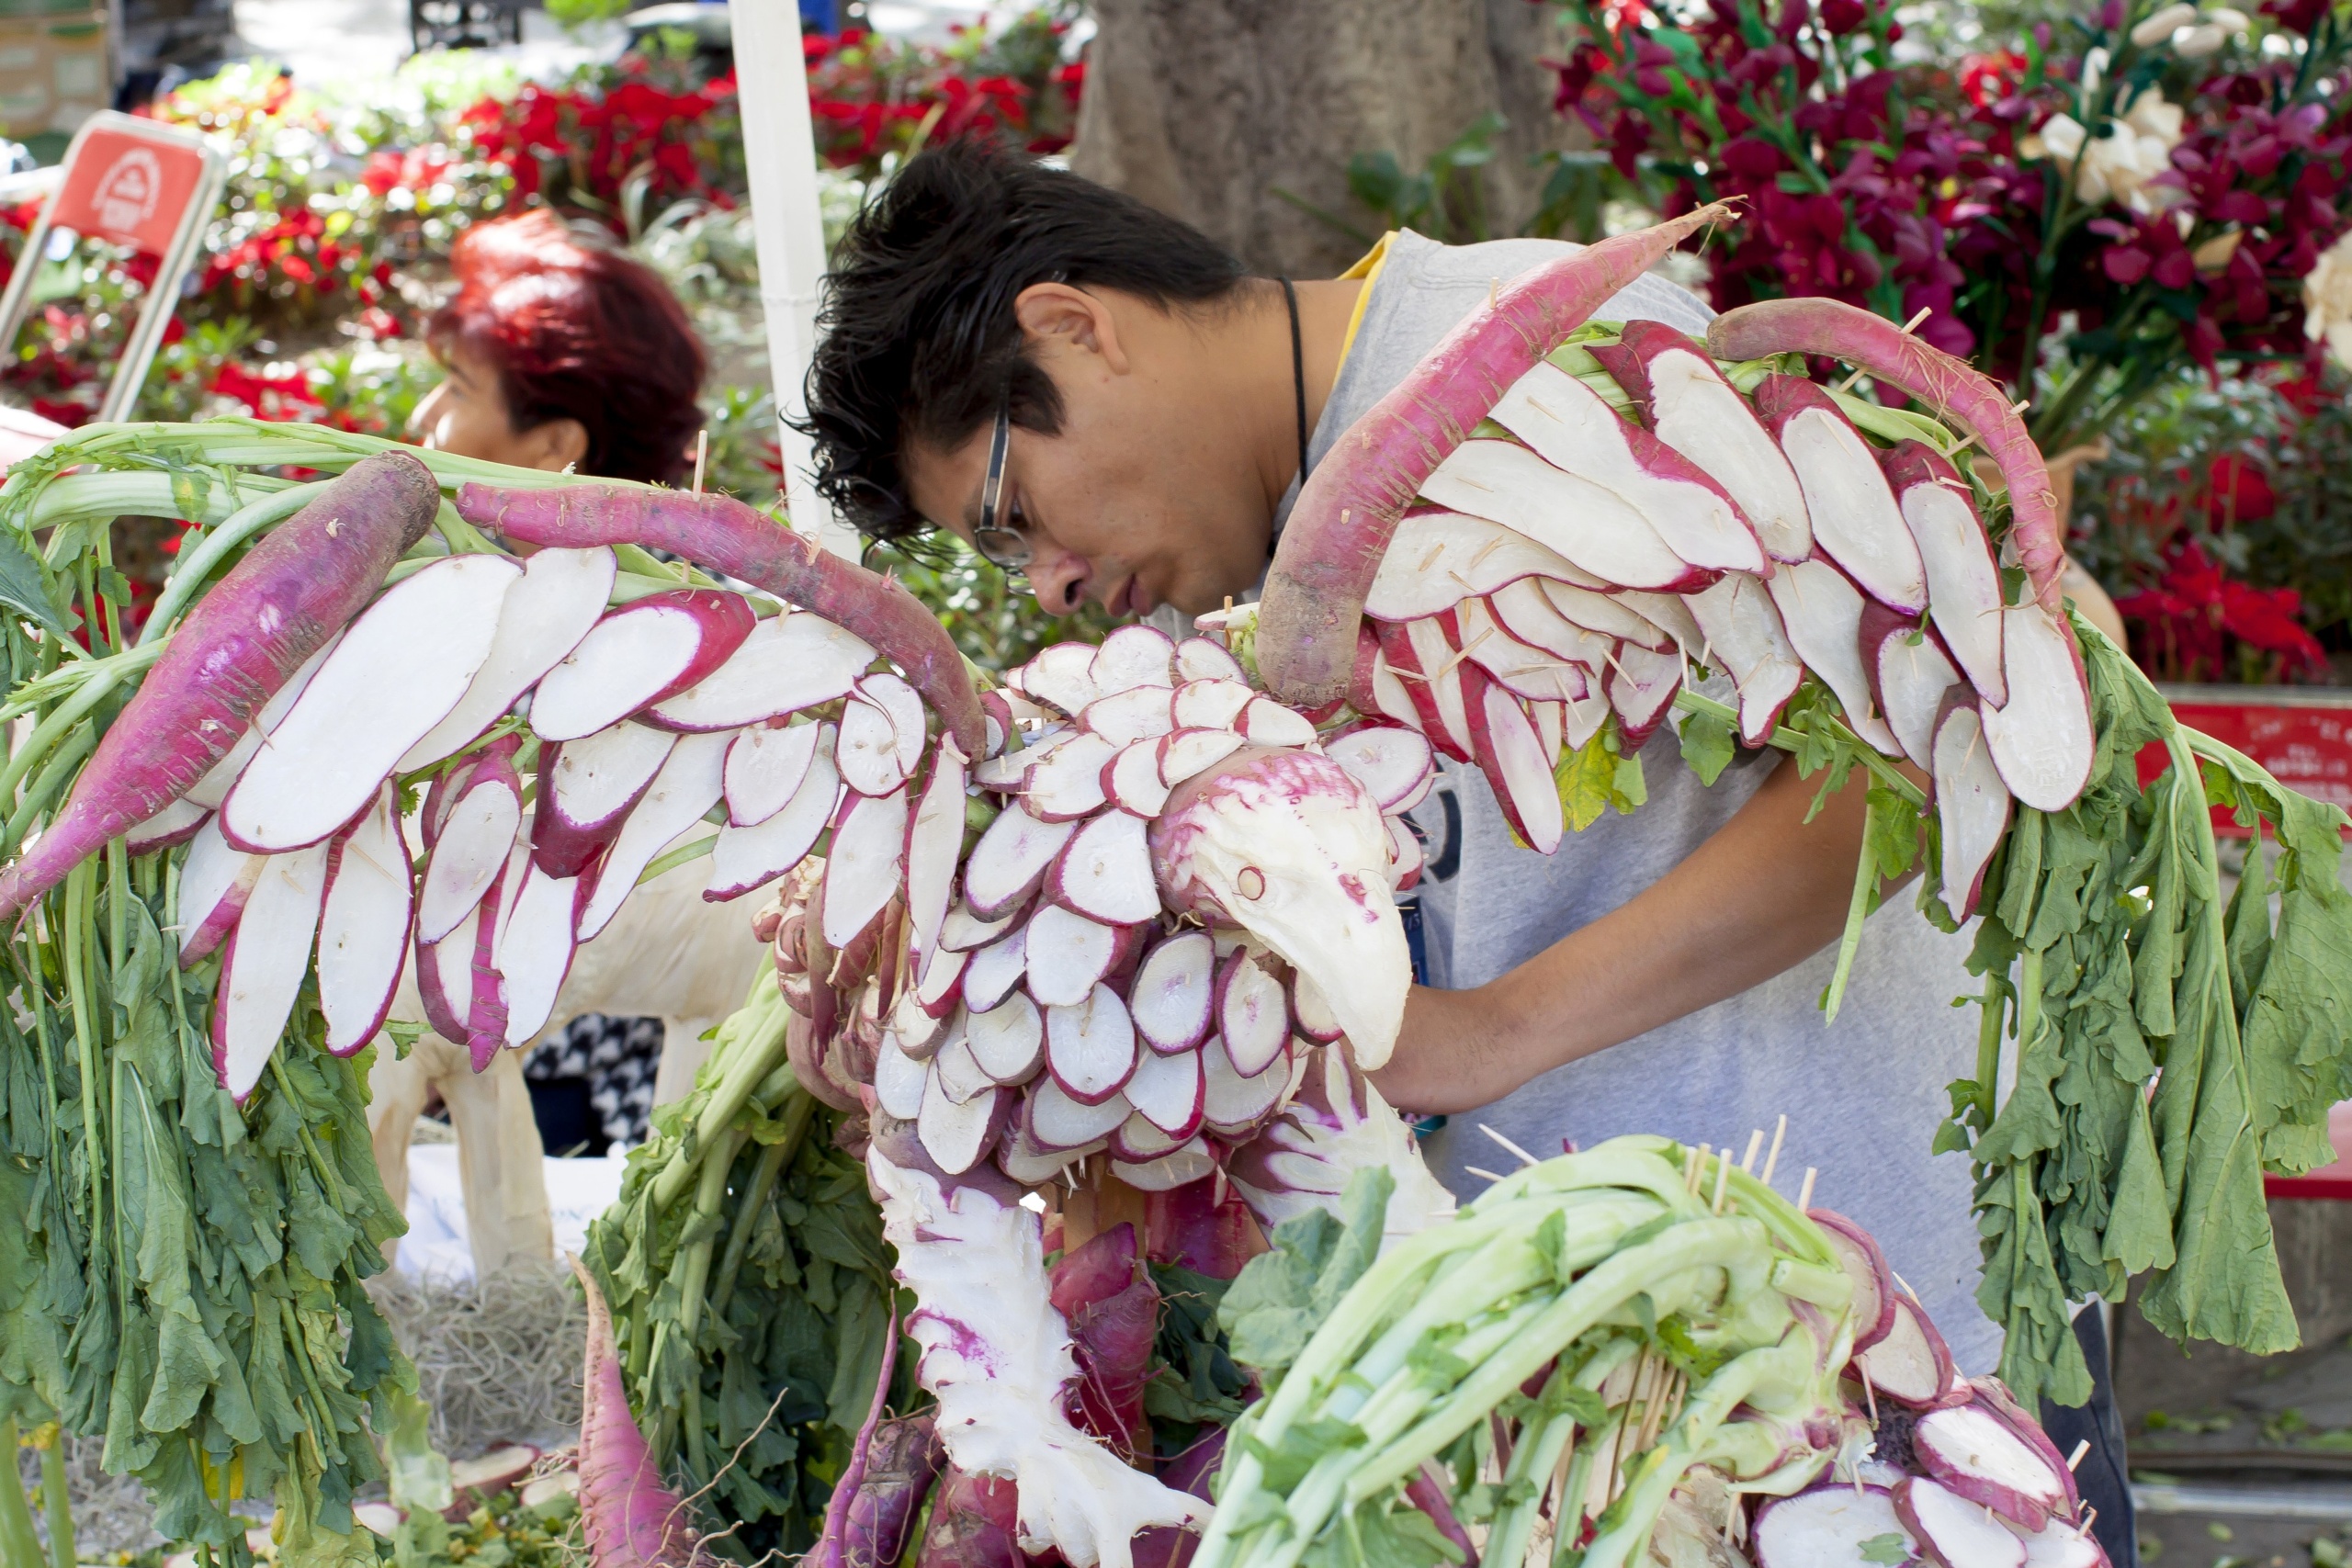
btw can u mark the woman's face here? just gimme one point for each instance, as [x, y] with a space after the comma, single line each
[467, 416]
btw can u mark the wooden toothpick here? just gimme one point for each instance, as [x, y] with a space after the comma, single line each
[702, 456]
[1773, 1158]
[1755, 1147]
[1805, 1193]
[1521, 1155]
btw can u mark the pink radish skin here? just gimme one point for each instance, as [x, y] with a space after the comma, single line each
[1963, 584]
[1865, 1265]
[722, 534]
[364, 926]
[241, 642]
[1956, 1532]
[831, 1549]
[1976, 1455]
[175, 824]
[1974, 402]
[215, 881]
[486, 1015]
[1910, 1364]
[1855, 519]
[636, 656]
[1346, 516]
[1910, 675]
[631, 1520]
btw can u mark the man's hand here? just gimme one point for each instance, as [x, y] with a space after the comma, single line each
[1765, 893]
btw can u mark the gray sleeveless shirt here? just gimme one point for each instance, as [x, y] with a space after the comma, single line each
[1863, 1096]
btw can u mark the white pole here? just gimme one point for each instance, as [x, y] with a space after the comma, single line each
[780, 153]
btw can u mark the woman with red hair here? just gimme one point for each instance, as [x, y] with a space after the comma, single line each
[562, 352]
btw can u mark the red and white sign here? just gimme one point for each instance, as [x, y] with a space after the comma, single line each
[130, 189]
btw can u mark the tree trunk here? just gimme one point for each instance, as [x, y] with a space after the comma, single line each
[1231, 114]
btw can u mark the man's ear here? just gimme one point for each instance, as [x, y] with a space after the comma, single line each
[1058, 313]
[556, 444]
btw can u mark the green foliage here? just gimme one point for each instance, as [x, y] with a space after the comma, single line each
[1282, 1296]
[1598, 777]
[993, 618]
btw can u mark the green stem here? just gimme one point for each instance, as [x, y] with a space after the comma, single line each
[1857, 909]
[19, 1543]
[64, 716]
[47, 787]
[57, 1504]
[759, 1054]
[78, 904]
[772, 1159]
[1988, 1050]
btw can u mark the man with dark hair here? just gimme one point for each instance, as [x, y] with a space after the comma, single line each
[1147, 410]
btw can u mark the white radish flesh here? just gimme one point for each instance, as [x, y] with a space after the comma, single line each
[445, 976]
[898, 1080]
[1601, 614]
[1169, 1092]
[1062, 675]
[1855, 519]
[175, 824]
[1833, 1526]
[1189, 751]
[641, 654]
[1912, 677]
[1389, 696]
[2061, 1545]
[764, 768]
[1105, 872]
[1137, 714]
[1066, 954]
[934, 840]
[1390, 761]
[1435, 657]
[1266, 722]
[866, 864]
[789, 662]
[1198, 659]
[1008, 1041]
[2041, 739]
[1068, 784]
[995, 969]
[1405, 856]
[868, 750]
[1695, 410]
[958, 1137]
[560, 594]
[1963, 584]
[213, 788]
[939, 988]
[1132, 779]
[1538, 671]
[1055, 1121]
[589, 788]
[903, 704]
[962, 931]
[1641, 688]
[1910, 1365]
[1513, 757]
[216, 878]
[1139, 1140]
[1959, 1532]
[1181, 1167]
[1253, 1014]
[1005, 771]
[687, 786]
[398, 672]
[263, 963]
[1669, 613]
[1174, 990]
[749, 858]
[536, 948]
[955, 1072]
[1972, 805]
[1210, 705]
[1090, 1047]
[1822, 612]
[1591, 526]
[363, 926]
[1973, 1453]
[469, 852]
[1310, 1011]
[1008, 861]
[1233, 1105]
[1743, 633]
[1133, 656]
[1437, 558]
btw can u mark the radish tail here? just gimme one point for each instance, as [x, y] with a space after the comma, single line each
[630, 1519]
[831, 1549]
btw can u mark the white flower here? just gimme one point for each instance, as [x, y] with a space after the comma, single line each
[2327, 302]
[2159, 25]
[2196, 43]
[2117, 164]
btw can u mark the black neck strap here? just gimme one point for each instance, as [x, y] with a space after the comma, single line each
[1297, 376]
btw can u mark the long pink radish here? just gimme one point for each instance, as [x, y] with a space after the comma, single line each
[586, 790]
[364, 926]
[237, 646]
[469, 850]
[789, 663]
[216, 878]
[1973, 401]
[560, 597]
[631, 1520]
[263, 965]
[722, 534]
[1342, 526]
[637, 656]
[398, 671]
[1855, 519]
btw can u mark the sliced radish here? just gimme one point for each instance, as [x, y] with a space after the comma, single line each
[1234, 1107]
[1066, 954]
[1957, 1532]
[560, 594]
[1210, 705]
[935, 837]
[1266, 722]
[1253, 1014]
[995, 969]
[1528, 672]
[1140, 1141]
[1551, 729]
[639, 656]
[1139, 712]
[1006, 771]
[586, 789]
[1974, 1454]
[1404, 855]
[1169, 1092]
[1189, 751]
[764, 767]
[1835, 1525]
[958, 1137]
[1010, 860]
[1856, 520]
[1105, 872]
[1173, 992]
[909, 722]
[213, 788]
[1604, 615]
[262, 965]
[486, 1017]
[1641, 689]
[1910, 676]
[1909, 1366]
[398, 672]
[996, 719]
[1028, 1164]
[1872, 1312]
[1436, 558]
[1972, 802]
[962, 931]
[471, 850]
[1310, 1011]
[175, 824]
[1669, 614]
[364, 926]
[1963, 584]
[2062, 1545]
[216, 878]
[1068, 784]
[1180, 1167]
[1821, 612]
[788, 661]
[1063, 676]
[1390, 761]
[1198, 659]
[2041, 739]
[1527, 612]
[1133, 656]
[1744, 632]
[536, 948]
[1383, 693]
[1695, 410]
[867, 864]
[749, 858]
[867, 751]
[1090, 1047]
[1055, 1121]
[1132, 778]
[898, 1080]
[1504, 741]
[1568, 424]
[1008, 1041]
[444, 977]
[1414, 668]
[1593, 528]
[687, 786]
[939, 988]
[955, 1073]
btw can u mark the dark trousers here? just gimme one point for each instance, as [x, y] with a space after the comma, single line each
[2102, 1475]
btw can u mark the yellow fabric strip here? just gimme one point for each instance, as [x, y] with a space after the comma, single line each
[1367, 268]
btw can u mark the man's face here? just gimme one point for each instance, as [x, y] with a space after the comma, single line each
[1149, 494]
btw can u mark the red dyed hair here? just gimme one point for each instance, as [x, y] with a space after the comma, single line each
[578, 330]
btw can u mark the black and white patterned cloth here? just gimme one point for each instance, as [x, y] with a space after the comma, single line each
[616, 1056]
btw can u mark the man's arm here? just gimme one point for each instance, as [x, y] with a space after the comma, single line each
[1765, 893]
